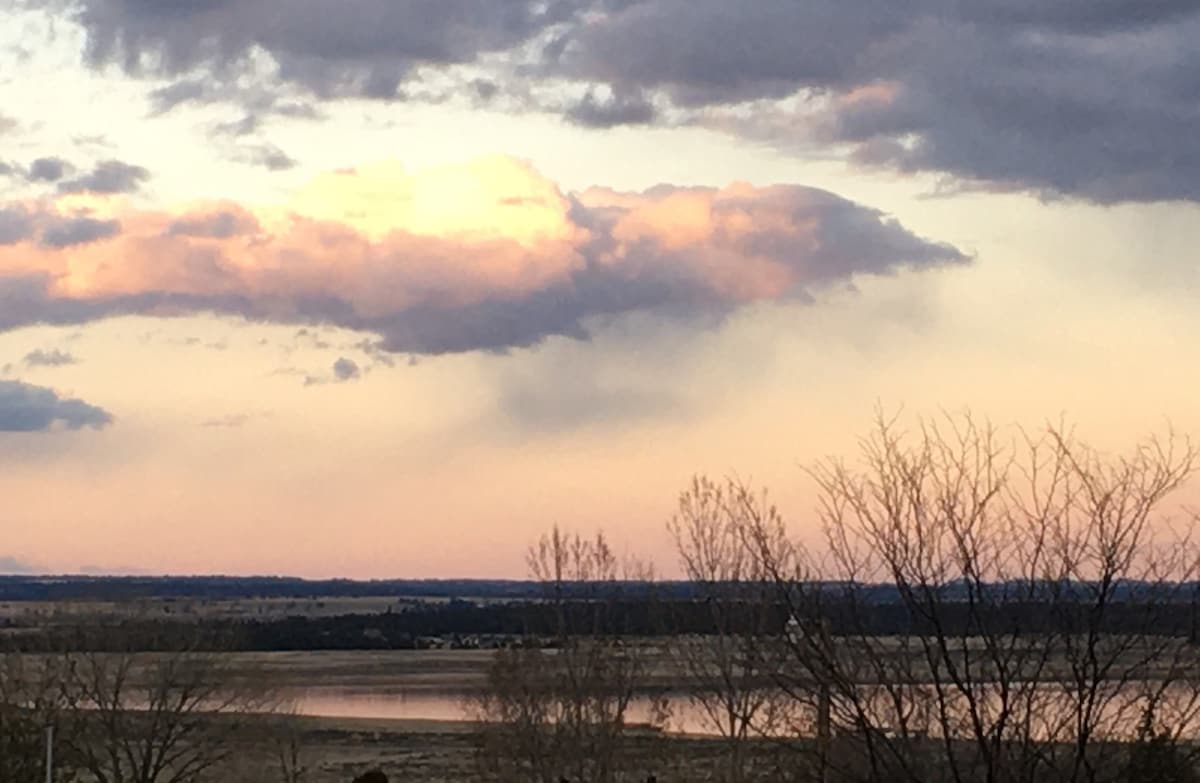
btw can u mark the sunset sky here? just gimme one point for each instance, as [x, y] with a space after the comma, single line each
[380, 288]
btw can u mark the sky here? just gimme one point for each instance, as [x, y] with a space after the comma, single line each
[386, 288]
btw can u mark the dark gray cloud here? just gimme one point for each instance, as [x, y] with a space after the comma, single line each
[364, 48]
[346, 370]
[49, 358]
[593, 112]
[1087, 98]
[16, 225]
[1078, 98]
[27, 408]
[48, 169]
[108, 176]
[708, 51]
[65, 232]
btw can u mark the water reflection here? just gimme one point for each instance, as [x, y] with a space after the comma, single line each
[418, 705]
[1049, 709]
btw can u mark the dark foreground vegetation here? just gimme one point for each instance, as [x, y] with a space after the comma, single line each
[980, 608]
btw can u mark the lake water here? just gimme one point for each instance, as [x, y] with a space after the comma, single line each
[444, 706]
[1122, 713]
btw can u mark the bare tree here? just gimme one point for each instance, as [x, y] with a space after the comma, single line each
[562, 708]
[987, 609]
[169, 717]
[730, 667]
[289, 756]
[30, 704]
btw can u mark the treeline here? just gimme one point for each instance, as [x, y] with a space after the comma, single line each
[469, 624]
[235, 588]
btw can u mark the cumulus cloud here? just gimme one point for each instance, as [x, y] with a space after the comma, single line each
[488, 255]
[108, 177]
[27, 408]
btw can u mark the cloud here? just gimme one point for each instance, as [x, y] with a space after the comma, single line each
[259, 101]
[367, 48]
[594, 112]
[1080, 98]
[221, 223]
[48, 169]
[108, 177]
[66, 232]
[346, 370]
[14, 565]
[487, 255]
[50, 358]
[164, 99]
[27, 408]
[15, 225]
[1086, 98]
[266, 156]
[343, 370]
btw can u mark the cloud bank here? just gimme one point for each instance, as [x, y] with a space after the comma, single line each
[488, 255]
[1086, 98]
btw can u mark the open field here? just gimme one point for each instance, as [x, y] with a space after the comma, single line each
[335, 750]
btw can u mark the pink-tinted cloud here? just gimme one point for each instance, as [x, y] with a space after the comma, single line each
[488, 255]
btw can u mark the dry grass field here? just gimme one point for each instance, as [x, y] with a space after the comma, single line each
[337, 750]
